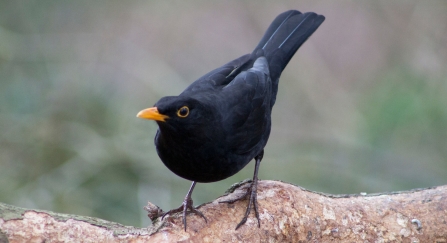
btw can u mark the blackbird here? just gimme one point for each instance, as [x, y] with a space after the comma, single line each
[218, 124]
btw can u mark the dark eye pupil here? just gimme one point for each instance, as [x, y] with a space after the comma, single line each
[183, 111]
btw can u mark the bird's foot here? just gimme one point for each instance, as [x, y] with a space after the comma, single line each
[186, 205]
[251, 194]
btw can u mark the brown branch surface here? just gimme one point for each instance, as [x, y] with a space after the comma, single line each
[288, 214]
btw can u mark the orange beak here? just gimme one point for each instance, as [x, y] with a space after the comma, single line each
[152, 114]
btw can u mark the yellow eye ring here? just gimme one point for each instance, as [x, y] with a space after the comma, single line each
[183, 112]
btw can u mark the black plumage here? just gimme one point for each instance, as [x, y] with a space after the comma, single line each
[217, 125]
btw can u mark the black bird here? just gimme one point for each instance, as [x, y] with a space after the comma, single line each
[217, 125]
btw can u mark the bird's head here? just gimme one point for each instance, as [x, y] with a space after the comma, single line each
[177, 113]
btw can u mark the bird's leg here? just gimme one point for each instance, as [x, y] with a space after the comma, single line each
[187, 204]
[251, 194]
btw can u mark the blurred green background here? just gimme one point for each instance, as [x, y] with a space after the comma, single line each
[362, 107]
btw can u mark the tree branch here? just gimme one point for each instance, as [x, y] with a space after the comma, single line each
[288, 213]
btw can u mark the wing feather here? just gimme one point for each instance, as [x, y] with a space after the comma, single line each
[248, 107]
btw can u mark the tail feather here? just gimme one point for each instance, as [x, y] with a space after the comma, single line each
[284, 36]
[274, 27]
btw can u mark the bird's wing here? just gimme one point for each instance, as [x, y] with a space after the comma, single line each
[246, 107]
[218, 77]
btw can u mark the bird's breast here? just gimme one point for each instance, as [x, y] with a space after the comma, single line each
[201, 161]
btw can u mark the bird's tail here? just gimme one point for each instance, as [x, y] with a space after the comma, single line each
[283, 38]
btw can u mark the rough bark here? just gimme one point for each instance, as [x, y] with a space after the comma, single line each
[288, 214]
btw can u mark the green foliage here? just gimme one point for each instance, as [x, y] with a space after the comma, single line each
[404, 108]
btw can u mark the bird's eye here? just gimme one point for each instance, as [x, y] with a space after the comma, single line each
[183, 112]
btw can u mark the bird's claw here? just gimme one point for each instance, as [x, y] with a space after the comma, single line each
[251, 194]
[242, 197]
[187, 204]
